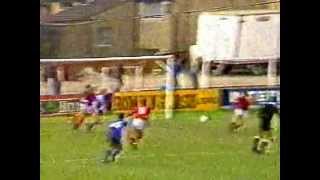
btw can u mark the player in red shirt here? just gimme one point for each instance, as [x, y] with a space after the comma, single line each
[141, 112]
[140, 120]
[241, 106]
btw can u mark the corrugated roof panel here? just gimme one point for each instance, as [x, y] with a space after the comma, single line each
[82, 12]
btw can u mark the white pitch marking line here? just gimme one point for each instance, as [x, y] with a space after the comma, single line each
[138, 156]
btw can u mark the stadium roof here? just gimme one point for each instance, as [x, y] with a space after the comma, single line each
[83, 12]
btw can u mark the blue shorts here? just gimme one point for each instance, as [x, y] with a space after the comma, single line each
[114, 140]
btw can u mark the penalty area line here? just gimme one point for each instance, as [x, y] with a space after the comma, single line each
[144, 156]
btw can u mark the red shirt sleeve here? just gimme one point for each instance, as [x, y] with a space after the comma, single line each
[146, 115]
[135, 110]
[143, 115]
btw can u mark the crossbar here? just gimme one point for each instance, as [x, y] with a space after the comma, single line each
[82, 60]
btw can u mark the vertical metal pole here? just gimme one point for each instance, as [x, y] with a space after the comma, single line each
[61, 73]
[139, 77]
[205, 74]
[42, 73]
[53, 84]
[272, 72]
[170, 86]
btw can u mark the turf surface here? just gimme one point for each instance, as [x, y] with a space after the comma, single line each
[178, 149]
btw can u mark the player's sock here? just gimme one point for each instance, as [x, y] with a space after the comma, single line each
[233, 126]
[255, 143]
[107, 156]
[117, 156]
[268, 147]
[90, 126]
[265, 146]
[115, 153]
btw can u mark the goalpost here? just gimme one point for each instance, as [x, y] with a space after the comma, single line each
[53, 82]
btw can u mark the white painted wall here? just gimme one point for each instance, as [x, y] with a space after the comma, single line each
[260, 38]
[233, 36]
[217, 36]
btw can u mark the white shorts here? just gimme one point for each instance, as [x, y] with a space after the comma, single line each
[138, 124]
[82, 107]
[240, 112]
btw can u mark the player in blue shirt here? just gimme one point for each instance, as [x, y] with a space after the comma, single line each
[114, 136]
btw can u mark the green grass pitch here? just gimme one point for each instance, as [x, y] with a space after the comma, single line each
[178, 149]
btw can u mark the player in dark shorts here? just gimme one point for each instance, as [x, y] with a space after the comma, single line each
[114, 137]
[263, 142]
